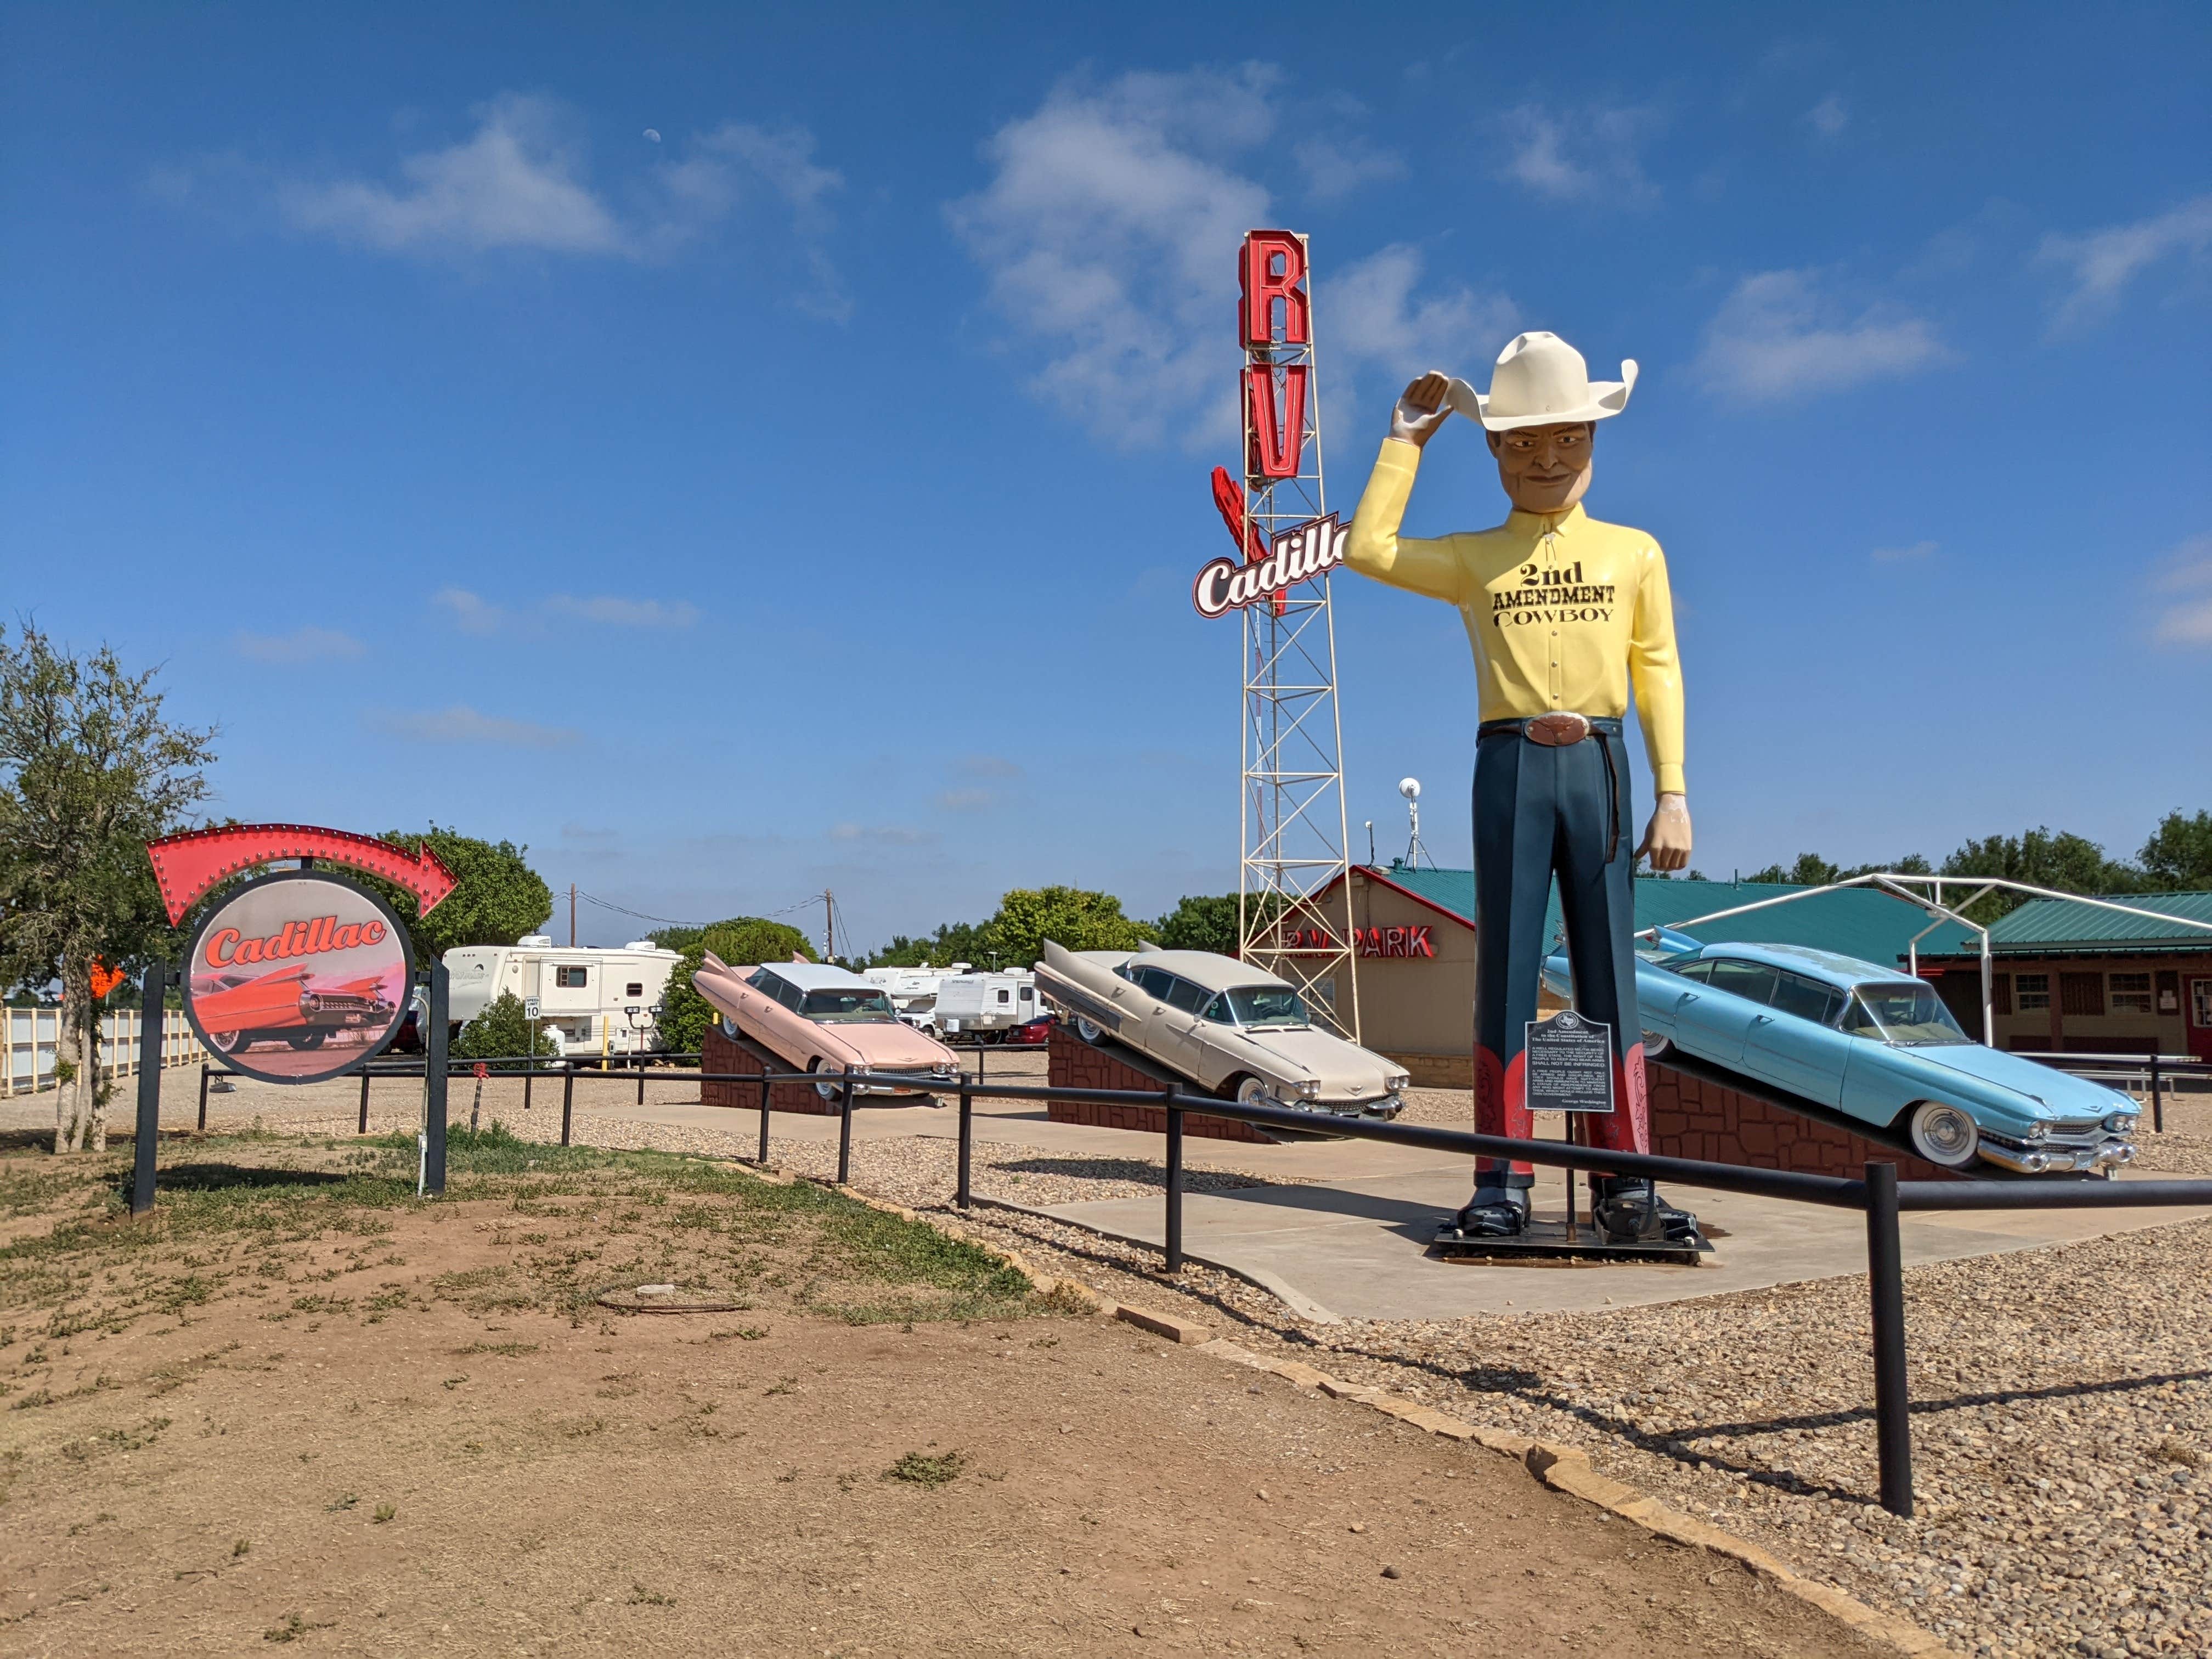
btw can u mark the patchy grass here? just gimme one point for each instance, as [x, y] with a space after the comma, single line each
[920, 1469]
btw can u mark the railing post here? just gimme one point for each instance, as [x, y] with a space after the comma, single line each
[967, 1134]
[364, 1102]
[845, 1132]
[149, 1091]
[203, 1080]
[1892, 1396]
[433, 1082]
[640, 1080]
[567, 1100]
[2157, 1100]
[762, 1160]
[529, 1073]
[1175, 1181]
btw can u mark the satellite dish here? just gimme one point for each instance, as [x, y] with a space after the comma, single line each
[1410, 788]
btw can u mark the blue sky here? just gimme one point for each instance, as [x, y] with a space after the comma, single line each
[744, 453]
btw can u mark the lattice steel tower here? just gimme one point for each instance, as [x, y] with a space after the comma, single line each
[1294, 909]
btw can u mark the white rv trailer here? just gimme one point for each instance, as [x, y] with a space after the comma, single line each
[984, 1006]
[593, 1001]
[913, 991]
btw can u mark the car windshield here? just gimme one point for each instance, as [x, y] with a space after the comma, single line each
[854, 1007]
[1908, 1014]
[1267, 1005]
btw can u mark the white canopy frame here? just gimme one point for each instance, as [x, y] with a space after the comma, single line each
[1930, 899]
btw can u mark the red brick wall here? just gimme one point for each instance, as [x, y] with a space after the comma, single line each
[723, 1054]
[1073, 1063]
[1692, 1118]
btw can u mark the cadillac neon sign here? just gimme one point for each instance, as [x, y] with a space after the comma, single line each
[1299, 554]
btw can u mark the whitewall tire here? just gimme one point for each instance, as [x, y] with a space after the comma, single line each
[1089, 1031]
[1945, 1136]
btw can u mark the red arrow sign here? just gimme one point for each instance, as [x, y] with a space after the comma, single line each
[186, 865]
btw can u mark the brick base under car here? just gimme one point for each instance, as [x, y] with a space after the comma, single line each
[1073, 1063]
[723, 1054]
[1694, 1117]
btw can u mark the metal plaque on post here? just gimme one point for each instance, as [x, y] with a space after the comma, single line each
[1568, 1063]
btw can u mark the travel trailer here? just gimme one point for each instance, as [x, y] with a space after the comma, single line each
[983, 1007]
[593, 1001]
[913, 991]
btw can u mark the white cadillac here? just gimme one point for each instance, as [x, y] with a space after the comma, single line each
[1232, 1030]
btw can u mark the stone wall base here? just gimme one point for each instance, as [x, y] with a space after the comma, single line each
[1072, 1063]
[723, 1054]
[1691, 1118]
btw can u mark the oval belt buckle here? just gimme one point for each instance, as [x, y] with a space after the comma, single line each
[1558, 731]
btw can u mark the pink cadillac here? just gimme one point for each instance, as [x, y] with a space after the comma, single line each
[825, 1020]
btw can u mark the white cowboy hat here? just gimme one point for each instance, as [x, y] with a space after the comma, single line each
[1542, 380]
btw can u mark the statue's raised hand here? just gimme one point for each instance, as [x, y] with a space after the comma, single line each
[1422, 410]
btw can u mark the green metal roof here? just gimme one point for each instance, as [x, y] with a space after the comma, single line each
[2062, 924]
[1854, 922]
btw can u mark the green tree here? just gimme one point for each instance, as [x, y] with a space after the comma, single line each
[954, 941]
[2065, 863]
[684, 1014]
[2177, 857]
[503, 1031]
[1200, 924]
[1069, 916]
[496, 898]
[89, 773]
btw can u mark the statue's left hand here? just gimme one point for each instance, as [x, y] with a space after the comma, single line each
[1667, 837]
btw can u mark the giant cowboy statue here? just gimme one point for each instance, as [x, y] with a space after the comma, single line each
[1564, 613]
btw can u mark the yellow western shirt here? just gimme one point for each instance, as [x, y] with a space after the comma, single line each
[1562, 610]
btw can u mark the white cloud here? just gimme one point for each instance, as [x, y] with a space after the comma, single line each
[472, 613]
[516, 183]
[1374, 316]
[301, 645]
[2104, 262]
[1109, 229]
[1828, 118]
[987, 766]
[1777, 337]
[521, 180]
[2185, 574]
[967, 800]
[1899, 555]
[1334, 168]
[459, 723]
[609, 612]
[1580, 155]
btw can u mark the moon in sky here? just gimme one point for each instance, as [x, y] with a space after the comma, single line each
[653, 135]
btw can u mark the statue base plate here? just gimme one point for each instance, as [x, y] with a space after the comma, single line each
[1545, 1243]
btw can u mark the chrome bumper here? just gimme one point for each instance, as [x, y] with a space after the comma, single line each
[2058, 1160]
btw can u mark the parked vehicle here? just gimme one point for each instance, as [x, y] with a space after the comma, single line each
[1871, 1043]
[1034, 1035]
[1223, 1023]
[984, 1007]
[913, 991]
[287, 1004]
[817, 1019]
[592, 1000]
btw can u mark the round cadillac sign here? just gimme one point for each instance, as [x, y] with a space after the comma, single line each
[298, 976]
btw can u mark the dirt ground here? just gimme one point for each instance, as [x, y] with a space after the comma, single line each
[301, 1406]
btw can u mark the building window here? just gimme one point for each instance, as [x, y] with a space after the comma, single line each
[2130, 993]
[2000, 993]
[2032, 992]
[634, 988]
[570, 979]
[2082, 993]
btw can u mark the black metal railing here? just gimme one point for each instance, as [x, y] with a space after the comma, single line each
[1877, 1194]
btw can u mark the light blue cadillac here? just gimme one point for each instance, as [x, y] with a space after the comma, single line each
[1874, 1045]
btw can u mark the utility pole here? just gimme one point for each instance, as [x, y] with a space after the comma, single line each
[829, 926]
[572, 915]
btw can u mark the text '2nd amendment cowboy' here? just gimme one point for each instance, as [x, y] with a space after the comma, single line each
[1309, 550]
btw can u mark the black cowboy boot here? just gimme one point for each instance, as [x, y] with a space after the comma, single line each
[1499, 1208]
[1629, 1211]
